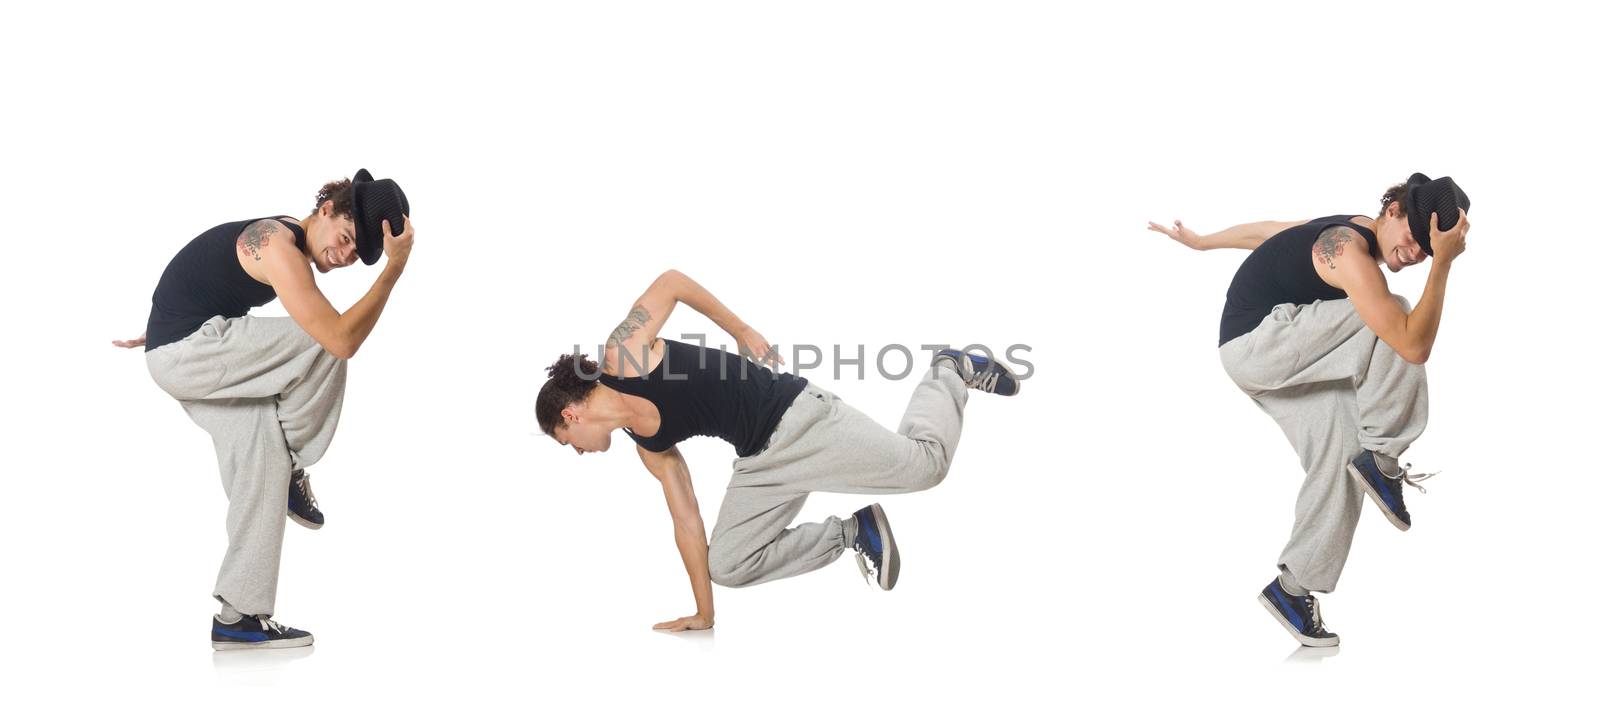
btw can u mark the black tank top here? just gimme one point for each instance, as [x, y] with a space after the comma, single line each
[701, 391]
[205, 279]
[1280, 270]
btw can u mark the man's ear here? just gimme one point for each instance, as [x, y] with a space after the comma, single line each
[326, 209]
[569, 415]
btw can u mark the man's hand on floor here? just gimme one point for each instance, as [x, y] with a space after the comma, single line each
[692, 622]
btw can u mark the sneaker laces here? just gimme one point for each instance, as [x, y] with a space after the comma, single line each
[305, 491]
[870, 572]
[986, 381]
[1405, 476]
[268, 623]
[1316, 615]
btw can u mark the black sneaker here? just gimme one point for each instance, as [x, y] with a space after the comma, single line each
[875, 543]
[1300, 615]
[981, 373]
[1384, 489]
[255, 633]
[302, 502]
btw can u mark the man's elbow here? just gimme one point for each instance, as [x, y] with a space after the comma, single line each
[1416, 355]
[341, 348]
[670, 277]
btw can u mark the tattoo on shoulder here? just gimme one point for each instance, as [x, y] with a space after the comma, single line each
[635, 321]
[256, 236]
[1330, 244]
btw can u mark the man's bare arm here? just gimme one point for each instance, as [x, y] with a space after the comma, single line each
[649, 313]
[289, 274]
[689, 531]
[1341, 259]
[1247, 236]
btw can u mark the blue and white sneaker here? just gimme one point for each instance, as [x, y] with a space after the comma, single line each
[1299, 614]
[875, 543]
[982, 373]
[1384, 489]
[255, 633]
[302, 502]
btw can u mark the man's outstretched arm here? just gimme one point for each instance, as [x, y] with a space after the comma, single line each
[130, 344]
[689, 531]
[1247, 236]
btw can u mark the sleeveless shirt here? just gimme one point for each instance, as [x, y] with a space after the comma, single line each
[1282, 270]
[205, 279]
[702, 391]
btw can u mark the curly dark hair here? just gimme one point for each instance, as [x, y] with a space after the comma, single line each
[572, 378]
[343, 198]
[1397, 196]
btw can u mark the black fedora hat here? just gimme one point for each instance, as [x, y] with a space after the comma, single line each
[373, 202]
[1425, 197]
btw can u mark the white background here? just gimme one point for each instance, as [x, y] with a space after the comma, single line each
[845, 173]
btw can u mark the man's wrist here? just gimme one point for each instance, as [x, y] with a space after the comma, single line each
[393, 267]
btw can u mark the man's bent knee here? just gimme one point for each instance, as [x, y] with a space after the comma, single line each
[728, 571]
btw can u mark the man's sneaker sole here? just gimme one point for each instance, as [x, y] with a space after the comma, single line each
[279, 644]
[1372, 493]
[1266, 602]
[889, 573]
[308, 524]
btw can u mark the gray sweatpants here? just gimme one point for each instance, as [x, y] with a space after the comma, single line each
[1335, 389]
[269, 395]
[823, 444]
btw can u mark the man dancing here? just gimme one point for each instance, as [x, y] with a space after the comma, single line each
[269, 390]
[1311, 333]
[792, 438]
